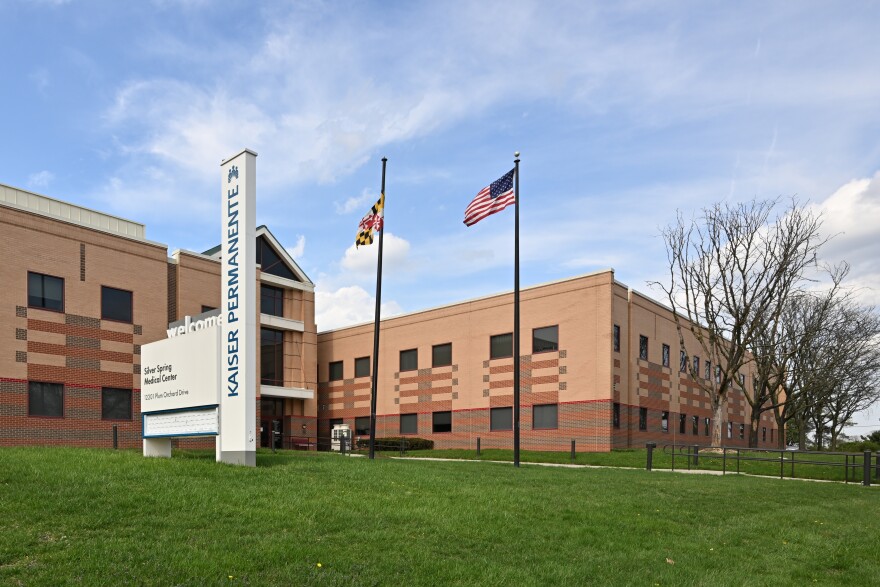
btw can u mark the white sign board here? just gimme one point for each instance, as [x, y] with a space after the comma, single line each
[181, 372]
[188, 422]
[238, 306]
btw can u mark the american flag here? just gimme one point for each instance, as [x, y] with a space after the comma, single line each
[493, 198]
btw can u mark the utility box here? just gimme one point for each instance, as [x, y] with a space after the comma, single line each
[339, 432]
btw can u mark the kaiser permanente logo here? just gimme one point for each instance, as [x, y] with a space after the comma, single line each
[231, 252]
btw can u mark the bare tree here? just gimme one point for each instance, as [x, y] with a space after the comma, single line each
[731, 270]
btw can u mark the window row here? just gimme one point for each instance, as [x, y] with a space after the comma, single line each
[544, 417]
[544, 339]
[683, 424]
[47, 400]
[47, 292]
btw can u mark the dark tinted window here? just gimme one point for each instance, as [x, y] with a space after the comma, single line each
[615, 415]
[409, 360]
[271, 357]
[115, 304]
[441, 422]
[409, 423]
[501, 346]
[441, 355]
[682, 423]
[46, 399]
[682, 361]
[362, 367]
[643, 418]
[115, 404]
[695, 427]
[362, 425]
[336, 371]
[270, 262]
[545, 339]
[271, 300]
[545, 416]
[616, 338]
[742, 430]
[45, 291]
[707, 424]
[643, 347]
[664, 421]
[501, 419]
[207, 308]
[665, 355]
[696, 366]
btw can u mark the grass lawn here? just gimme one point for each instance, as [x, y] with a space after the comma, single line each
[101, 517]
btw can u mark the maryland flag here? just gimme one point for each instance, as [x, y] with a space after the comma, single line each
[372, 221]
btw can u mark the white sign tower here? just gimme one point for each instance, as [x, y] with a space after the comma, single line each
[236, 443]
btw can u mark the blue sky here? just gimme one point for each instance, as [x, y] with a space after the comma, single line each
[624, 113]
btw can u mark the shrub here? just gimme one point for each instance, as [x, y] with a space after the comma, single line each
[859, 446]
[394, 442]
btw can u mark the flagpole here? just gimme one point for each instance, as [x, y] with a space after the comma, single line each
[516, 365]
[376, 327]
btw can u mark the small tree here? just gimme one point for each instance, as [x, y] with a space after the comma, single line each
[731, 270]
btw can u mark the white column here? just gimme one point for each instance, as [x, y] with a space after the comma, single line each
[238, 298]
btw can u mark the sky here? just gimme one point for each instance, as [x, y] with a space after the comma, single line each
[624, 113]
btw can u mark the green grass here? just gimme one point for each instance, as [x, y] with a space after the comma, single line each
[99, 517]
[637, 458]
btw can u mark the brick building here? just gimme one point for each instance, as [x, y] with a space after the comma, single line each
[83, 291]
[600, 366]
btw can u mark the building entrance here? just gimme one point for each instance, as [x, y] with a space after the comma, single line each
[272, 419]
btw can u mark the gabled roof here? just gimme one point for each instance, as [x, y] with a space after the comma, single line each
[263, 230]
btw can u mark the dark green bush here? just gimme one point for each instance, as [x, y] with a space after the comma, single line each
[859, 446]
[394, 442]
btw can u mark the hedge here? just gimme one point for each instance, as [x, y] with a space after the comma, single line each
[394, 442]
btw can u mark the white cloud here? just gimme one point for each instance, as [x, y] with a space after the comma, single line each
[852, 218]
[40, 180]
[299, 249]
[347, 306]
[364, 201]
[363, 260]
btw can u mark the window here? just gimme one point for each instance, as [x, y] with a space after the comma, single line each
[545, 417]
[115, 304]
[115, 404]
[441, 422]
[271, 357]
[742, 430]
[643, 347]
[362, 425]
[441, 355]
[707, 424]
[717, 374]
[335, 422]
[616, 338]
[336, 371]
[695, 425]
[501, 419]
[409, 360]
[664, 421]
[708, 370]
[742, 380]
[362, 367]
[665, 355]
[771, 435]
[45, 399]
[271, 300]
[207, 308]
[643, 418]
[696, 366]
[545, 339]
[730, 430]
[682, 361]
[409, 423]
[615, 415]
[682, 423]
[764, 434]
[270, 262]
[45, 291]
[501, 346]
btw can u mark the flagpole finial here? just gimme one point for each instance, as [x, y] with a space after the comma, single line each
[516, 154]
